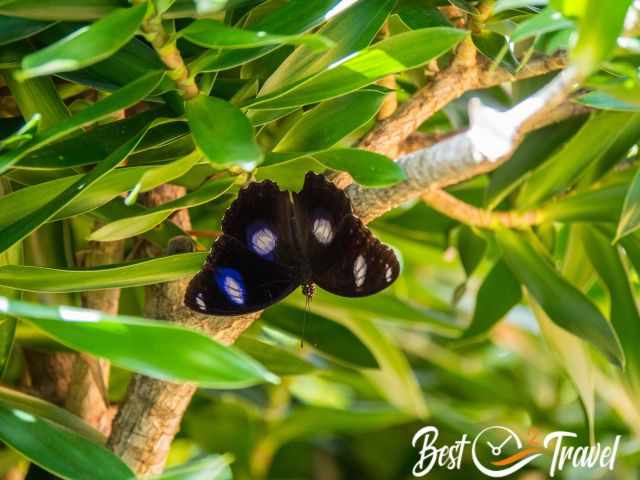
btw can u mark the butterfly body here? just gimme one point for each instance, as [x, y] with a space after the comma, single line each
[274, 241]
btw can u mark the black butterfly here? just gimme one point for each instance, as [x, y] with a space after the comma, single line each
[273, 241]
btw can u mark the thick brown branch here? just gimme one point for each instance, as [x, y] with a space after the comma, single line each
[448, 85]
[151, 414]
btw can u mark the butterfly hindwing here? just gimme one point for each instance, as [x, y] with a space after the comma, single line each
[361, 264]
[261, 219]
[235, 280]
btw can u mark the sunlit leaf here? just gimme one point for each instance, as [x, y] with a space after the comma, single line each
[194, 357]
[85, 46]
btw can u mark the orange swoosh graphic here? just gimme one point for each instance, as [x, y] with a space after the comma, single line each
[516, 456]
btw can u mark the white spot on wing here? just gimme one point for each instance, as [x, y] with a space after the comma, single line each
[322, 230]
[200, 302]
[359, 271]
[263, 241]
[388, 274]
[234, 290]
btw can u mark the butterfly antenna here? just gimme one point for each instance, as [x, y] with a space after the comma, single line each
[308, 294]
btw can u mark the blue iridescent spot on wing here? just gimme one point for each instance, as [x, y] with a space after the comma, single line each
[230, 283]
[262, 240]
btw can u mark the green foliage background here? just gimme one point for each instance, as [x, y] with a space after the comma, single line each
[533, 324]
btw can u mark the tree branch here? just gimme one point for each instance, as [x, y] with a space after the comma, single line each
[151, 414]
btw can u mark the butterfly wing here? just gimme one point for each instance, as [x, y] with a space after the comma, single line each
[235, 281]
[345, 257]
[320, 208]
[261, 219]
[360, 265]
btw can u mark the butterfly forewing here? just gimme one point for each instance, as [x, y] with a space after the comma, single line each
[320, 209]
[363, 265]
[235, 280]
[261, 218]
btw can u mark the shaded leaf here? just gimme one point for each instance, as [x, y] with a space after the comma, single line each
[500, 292]
[564, 304]
[123, 98]
[325, 335]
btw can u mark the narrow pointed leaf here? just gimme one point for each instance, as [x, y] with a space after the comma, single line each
[144, 272]
[140, 223]
[396, 54]
[23, 226]
[85, 46]
[211, 34]
[564, 304]
[193, 356]
[122, 98]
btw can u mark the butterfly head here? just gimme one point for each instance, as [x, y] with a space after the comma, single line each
[308, 289]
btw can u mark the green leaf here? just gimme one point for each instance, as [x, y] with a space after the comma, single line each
[23, 134]
[351, 31]
[223, 133]
[564, 304]
[546, 21]
[495, 47]
[601, 205]
[140, 223]
[574, 357]
[13, 29]
[599, 134]
[24, 226]
[311, 421]
[630, 217]
[471, 248]
[14, 399]
[94, 145]
[606, 260]
[325, 335]
[292, 18]
[415, 14]
[600, 25]
[606, 101]
[85, 46]
[194, 357]
[276, 359]
[211, 467]
[500, 292]
[67, 10]
[503, 5]
[121, 99]
[144, 272]
[25, 201]
[369, 169]
[396, 54]
[57, 449]
[211, 34]
[331, 121]
[157, 176]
